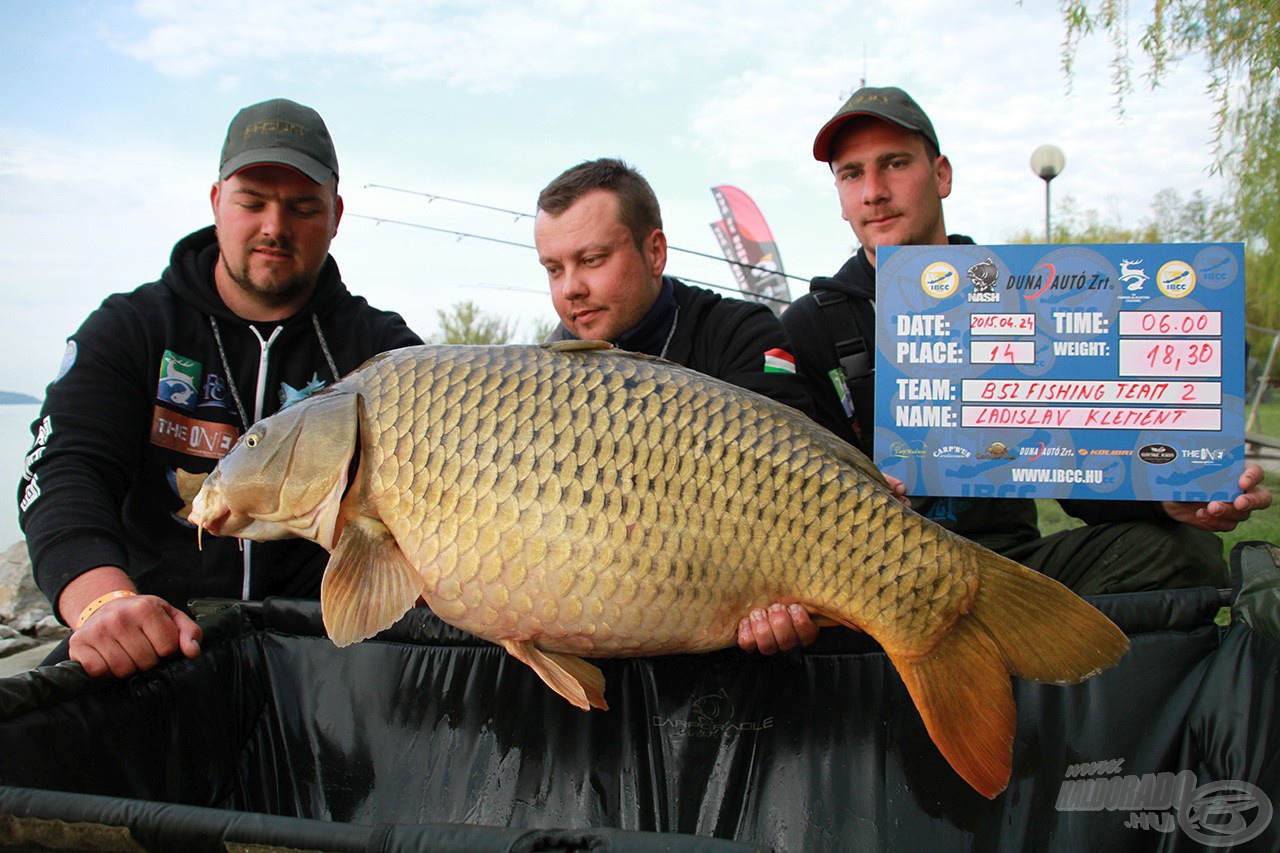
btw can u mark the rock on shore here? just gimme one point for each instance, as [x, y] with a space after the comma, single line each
[26, 619]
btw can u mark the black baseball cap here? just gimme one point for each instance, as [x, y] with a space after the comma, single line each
[279, 132]
[889, 103]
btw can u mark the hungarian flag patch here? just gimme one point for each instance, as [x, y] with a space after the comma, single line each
[779, 361]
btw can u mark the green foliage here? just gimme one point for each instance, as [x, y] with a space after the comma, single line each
[1240, 42]
[542, 330]
[465, 323]
[1172, 220]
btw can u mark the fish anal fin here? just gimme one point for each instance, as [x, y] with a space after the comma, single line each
[368, 583]
[965, 697]
[581, 683]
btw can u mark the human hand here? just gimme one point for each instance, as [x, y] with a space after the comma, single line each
[1220, 516]
[899, 489]
[780, 628]
[133, 634]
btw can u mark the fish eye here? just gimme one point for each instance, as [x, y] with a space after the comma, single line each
[251, 440]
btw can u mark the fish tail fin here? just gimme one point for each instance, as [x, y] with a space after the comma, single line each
[1023, 623]
[368, 583]
[962, 690]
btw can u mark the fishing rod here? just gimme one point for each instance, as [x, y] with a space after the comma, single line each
[461, 235]
[521, 215]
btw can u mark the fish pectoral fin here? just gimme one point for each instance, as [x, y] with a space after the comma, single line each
[368, 583]
[188, 486]
[570, 676]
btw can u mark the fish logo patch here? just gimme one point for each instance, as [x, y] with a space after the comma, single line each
[179, 377]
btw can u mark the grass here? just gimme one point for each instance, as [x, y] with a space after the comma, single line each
[1263, 525]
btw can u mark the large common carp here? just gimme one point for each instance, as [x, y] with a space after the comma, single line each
[579, 500]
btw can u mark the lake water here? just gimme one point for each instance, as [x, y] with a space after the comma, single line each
[15, 441]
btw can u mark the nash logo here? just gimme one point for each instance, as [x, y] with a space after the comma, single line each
[983, 276]
[179, 377]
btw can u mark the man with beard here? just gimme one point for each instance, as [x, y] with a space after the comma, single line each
[157, 384]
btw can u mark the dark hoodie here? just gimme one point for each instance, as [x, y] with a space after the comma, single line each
[833, 329]
[161, 381]
[720, 336]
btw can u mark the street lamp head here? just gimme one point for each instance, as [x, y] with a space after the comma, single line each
[1048, 161]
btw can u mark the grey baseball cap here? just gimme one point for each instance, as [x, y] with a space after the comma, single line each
[283, 133]
[888, 103]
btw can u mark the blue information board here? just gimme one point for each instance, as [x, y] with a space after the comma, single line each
[1062, 371]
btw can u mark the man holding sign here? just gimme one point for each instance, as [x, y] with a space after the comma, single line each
[891, 179]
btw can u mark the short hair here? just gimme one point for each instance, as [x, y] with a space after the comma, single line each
[637, 204]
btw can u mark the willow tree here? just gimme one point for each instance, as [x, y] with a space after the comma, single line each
[1240, 43]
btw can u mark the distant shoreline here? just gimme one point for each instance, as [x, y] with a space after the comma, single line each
[11, 398]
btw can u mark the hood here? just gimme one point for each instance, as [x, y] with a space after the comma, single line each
[190, 275]
[858, 277]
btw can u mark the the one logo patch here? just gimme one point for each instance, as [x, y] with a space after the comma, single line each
[179, 377]
[175, 431]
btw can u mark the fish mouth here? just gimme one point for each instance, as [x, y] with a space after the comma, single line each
[210, 512]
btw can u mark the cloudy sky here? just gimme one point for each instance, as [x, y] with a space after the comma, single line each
[114, 114]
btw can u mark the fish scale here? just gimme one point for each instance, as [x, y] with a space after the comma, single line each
[578, 500]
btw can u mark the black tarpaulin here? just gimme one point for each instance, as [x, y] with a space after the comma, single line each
[426, 737]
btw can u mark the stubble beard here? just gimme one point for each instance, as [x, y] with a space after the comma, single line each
[273, 294]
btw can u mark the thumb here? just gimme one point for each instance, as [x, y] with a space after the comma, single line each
[189, 633]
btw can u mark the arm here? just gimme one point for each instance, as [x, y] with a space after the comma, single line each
[86, 453]
[126, 634]
[815, 362]
[745, 333]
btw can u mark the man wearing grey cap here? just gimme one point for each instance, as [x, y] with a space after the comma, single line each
[156, 385]
[891, 179]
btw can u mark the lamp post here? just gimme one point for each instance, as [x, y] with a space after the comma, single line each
[1048, 161]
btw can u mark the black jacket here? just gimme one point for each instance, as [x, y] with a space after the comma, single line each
[144, 395]
[719, 336]
[833, 323]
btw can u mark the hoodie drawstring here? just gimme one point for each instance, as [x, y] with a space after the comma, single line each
[265, 346]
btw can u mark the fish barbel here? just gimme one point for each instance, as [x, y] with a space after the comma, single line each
[580, 500]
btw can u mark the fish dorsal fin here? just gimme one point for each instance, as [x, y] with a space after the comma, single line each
[574, 345]
[368, 584]
[614, 351]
